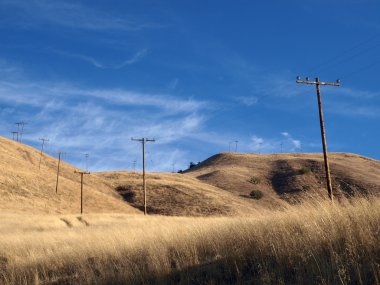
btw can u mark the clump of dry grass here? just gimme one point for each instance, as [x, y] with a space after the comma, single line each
[314, 243]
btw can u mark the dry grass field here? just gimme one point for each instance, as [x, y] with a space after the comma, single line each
[312, 243]
[204, 227]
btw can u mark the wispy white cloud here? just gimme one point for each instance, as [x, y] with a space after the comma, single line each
[72, 15]
[269, 145]
[247, 100]
[135, 58]
[295, 144]
[101, 122]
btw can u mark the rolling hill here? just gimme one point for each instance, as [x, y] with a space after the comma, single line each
[220, 185]
[26, 188]
[288, 176]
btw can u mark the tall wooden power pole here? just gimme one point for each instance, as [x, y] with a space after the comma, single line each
[59, 163]
[81, 187]
[318, 83]
[143, 142]
[42, 149]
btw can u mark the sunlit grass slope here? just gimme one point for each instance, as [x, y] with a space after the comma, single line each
[312, 243]
[289, 176]
[26, 188]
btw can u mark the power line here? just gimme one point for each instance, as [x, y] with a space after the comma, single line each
[341, 56]
[143, 142]
[318, 83]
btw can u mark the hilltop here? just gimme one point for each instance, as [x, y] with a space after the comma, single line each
[288, 176]
[26, 188]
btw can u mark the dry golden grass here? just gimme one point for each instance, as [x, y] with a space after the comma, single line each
[26, 188]
[311, 243]
[279, 176]
[178, 195]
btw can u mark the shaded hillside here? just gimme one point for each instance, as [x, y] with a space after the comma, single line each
[25, 188]
[175, 194]
[288, 176]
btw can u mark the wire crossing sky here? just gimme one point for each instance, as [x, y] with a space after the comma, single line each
[194, 75]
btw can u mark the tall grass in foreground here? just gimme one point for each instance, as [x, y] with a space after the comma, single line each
[310, 243]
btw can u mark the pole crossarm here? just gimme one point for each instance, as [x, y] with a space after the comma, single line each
[318, 82]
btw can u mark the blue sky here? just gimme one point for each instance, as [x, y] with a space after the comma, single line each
[195, 75]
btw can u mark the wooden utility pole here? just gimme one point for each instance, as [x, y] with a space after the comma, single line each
[229, 145]
[42, 149]
[13, 135]
[143, 141]
[59, 163]
[81, 188]
[260, 144]
[318, 83]
[134, 165]
[20, 133]
[86, 156]
[18, 130]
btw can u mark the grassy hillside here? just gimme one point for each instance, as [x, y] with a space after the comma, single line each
[26, 188]
[221, 185]
[288, 176]
[176, 194]
[312, 243]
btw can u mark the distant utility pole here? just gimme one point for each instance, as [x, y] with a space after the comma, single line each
[173, 164]
[14, 135]
[143, 142]
[318, 83]
[281, 144]
[20, 132]
[42, 149]
[260, 144]
[134, 165]
[86, 156]
[229, 145]
[81, 188]
[59, 163]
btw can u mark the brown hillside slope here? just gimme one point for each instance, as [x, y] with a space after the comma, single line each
[25, 188]
[288, 176]
[176, 194]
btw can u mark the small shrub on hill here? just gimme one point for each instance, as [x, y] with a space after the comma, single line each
[303, 170]
[254, 180]
[256, 194]
[306, 187]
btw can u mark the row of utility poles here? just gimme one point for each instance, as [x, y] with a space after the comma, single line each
[316, 82]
